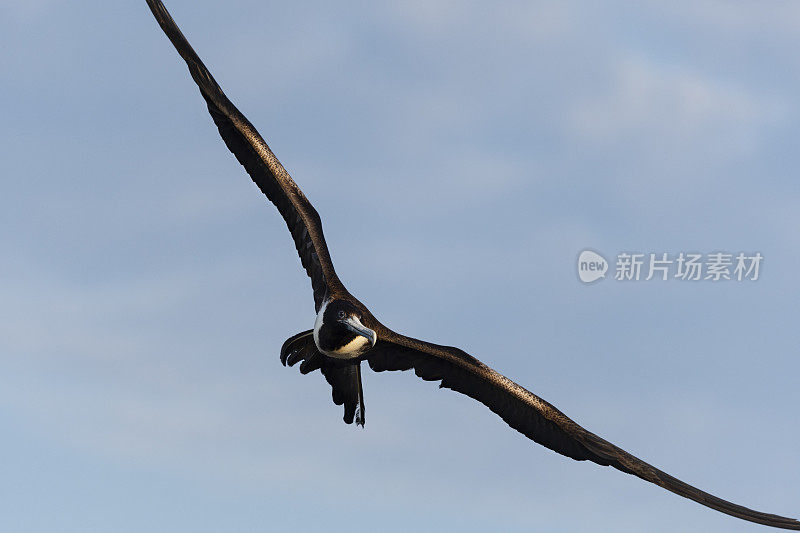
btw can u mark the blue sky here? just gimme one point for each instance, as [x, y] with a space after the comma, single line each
[460, 155]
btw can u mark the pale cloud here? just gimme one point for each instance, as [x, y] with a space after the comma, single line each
[526, 21]
[752, 18]
[673, 108]
[26, 10]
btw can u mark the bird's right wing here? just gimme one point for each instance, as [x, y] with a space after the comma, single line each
[264, 168]
[535, 418]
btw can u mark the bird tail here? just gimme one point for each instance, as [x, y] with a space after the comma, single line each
[345, 380]
[360, 410]
[344, 376]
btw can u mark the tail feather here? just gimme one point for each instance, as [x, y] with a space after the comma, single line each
[344, 376]
[360, 410]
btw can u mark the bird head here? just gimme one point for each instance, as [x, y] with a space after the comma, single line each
[339, 332]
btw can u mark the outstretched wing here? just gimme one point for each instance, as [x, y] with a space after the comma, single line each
[264, 168]
[344, 376]
[536, 418]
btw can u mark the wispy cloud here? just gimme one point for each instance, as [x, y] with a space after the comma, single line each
[648, 106]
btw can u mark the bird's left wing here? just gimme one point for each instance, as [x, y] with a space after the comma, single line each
[535, 418]
[264, 168]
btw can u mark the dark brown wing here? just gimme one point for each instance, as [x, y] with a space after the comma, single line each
[344, 376]
[264, 168]
[535, 418]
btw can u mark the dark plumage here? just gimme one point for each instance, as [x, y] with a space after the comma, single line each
[344, 376]
[346, 333]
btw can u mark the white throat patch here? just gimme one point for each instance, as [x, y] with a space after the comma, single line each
[318, 323]
[352, 349]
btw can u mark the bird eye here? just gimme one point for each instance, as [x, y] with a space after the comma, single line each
[341, 314]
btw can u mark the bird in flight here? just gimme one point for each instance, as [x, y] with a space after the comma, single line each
[346, 333]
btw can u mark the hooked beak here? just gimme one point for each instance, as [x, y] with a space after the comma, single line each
[354, 324]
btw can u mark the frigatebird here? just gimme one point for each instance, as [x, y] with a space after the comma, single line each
[345, 332]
